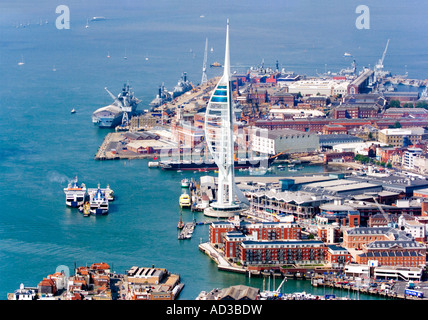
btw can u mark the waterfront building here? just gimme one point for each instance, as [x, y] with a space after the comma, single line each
[23, 293]
[330, 140]
[338, 256]
[218, 229]
[141, 283]
[269, 231]
[300, 204]
[275, 141]
[357, 238]
[398, 273]
[256, 254]
[239, 292]
[406, 253]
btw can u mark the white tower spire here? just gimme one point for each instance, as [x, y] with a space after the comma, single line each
[219, 120]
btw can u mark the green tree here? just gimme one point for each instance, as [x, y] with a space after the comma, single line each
[394, 104]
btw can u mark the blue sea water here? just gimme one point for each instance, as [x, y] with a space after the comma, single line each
[43, 146]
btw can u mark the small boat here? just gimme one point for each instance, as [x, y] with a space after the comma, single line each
[87, 24]
[98, 202]
[185, 183]
[73, 110]
[20, 63]
[184, 200]
[108, 55]
[86, 209]
[180, 224]
[215, 64]
[75, 194]
[109, 193]
[347, 54]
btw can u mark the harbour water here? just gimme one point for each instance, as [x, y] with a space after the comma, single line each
[43, 146]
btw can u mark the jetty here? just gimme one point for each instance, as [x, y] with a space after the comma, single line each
[187, 231]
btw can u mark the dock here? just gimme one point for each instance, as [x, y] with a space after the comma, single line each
[187, 231]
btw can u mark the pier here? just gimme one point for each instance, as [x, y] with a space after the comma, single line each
[187, 231]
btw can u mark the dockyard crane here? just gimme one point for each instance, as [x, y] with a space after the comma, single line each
[379, 65]
[204, 65]
[385, 215]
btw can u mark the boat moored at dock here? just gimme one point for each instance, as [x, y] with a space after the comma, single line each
[75, 194]
[118, 112]
[98, 201]
[184, 201]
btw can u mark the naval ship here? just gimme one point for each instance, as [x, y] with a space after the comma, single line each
[116, 113]
[182, 86]
[162, 97]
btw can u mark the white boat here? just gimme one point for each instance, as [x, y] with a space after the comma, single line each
[75, 194]
[98, 201]
[109, 193]
[73, 110]
[20, 63]
[347, 54]
[185, 183]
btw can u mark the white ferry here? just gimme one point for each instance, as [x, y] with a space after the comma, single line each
[98, 201]
[75, 194]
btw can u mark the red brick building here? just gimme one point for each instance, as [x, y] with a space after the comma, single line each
[257, 254]
[217, 230]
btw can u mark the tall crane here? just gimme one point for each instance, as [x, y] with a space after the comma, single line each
[385, 215]
[204, 66]
[378, 69]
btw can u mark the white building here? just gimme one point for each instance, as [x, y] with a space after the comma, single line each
[415, 228]
[295, 113]
[409, 157]
[319, 87]
[275, 141]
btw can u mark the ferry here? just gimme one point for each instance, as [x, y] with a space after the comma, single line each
[98, 202]
[184, 200]
[75, 194]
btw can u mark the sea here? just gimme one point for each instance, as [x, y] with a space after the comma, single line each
[43, 145]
